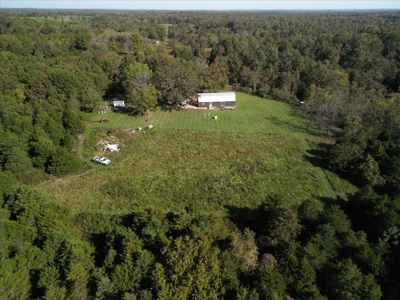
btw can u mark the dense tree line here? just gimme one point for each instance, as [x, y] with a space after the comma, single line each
[58, 66]
[276, 251]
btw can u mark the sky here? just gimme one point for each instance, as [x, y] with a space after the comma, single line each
[205, 4]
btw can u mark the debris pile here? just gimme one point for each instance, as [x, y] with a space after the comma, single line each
[103, 111]
[105, 141]
[111, 147]
[129, 130]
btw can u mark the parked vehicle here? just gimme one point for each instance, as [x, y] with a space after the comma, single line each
[101, 160]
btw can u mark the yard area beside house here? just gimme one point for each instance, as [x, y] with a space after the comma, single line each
[251, 115]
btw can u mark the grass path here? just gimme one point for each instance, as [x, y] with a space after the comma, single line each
[321, 174]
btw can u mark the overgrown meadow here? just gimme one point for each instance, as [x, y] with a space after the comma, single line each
[172, 169]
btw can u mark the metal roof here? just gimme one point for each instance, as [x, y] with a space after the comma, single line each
[216, 97]
[216, 94]
[119, 103]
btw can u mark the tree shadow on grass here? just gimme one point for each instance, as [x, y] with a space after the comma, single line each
[242, 217]
[317, 157]
[329, 201]
[290, 126]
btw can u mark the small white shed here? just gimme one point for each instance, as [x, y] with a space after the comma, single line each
[119, 103]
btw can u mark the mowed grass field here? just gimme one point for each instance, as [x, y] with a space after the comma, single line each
[252, 115]
[258, 149]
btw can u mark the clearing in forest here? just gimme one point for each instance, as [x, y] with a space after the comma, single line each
[237, 160]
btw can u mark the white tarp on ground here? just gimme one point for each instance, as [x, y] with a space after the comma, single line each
[216, 97]
[111, 147]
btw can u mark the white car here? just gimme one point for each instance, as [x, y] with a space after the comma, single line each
[102, 160]
[105, 161]
[96, 158]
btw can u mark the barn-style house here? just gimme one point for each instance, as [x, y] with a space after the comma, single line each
[216, 100]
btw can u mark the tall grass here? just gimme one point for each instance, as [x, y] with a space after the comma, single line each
[172, 169]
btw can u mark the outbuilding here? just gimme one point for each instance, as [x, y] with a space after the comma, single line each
[216, 100]
[119, 103]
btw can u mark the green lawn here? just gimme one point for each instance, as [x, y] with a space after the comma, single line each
[252, 115]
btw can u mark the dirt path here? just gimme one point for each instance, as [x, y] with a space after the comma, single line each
[81, 142]
[79, 151]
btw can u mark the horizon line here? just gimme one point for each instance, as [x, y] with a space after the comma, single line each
[206, 10]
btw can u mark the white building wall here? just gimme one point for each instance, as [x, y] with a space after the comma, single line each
[119, 103]
[216, 97]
